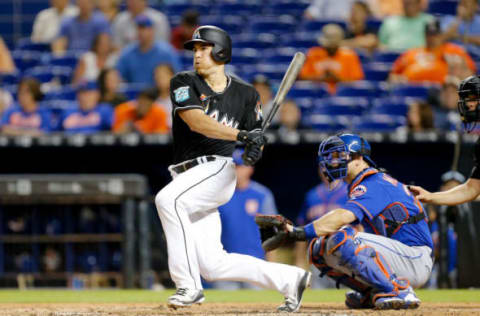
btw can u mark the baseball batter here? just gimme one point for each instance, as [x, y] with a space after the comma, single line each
[391, 257]
[211, 111]
[468, 106]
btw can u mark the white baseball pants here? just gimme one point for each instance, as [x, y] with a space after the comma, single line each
[187, 207]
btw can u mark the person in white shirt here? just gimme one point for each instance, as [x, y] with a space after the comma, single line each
[47, 22]
[124, 27]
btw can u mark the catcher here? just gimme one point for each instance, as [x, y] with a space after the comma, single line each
[385, 262]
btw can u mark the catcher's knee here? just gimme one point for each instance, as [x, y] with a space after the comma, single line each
[342, 243]
[316, 251]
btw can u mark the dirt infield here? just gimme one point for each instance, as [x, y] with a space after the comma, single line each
[142, 309]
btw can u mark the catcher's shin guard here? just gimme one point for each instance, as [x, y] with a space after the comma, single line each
[365, 263]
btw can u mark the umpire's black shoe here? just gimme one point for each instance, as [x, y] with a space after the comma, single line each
[292, 304]
[185, 297]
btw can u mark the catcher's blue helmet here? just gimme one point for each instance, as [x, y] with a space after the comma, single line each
[335, 153]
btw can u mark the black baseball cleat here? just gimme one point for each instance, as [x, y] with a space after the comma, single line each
[357, 300]
[292, 303]
[185, 297]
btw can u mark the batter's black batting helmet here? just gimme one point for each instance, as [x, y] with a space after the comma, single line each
[221, 41]
[469, 90]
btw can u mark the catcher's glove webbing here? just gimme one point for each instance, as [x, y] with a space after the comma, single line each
[274, 233]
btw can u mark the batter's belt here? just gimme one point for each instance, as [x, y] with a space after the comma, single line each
[192, 163]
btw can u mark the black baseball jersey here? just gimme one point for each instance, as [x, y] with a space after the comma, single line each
[476, 168]
[238, 106]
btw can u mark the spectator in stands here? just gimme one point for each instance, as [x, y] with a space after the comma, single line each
[141, 116]
[94, 61]
[137, 61]
[317, 202]
[124, 25]
[264, 88]
[444, 102]
[328, 10]
[420, 117]
[465, 27]
[108, 83]
[385, 8]
[79, 32]
[434, 62]
[184, 31]
[332, 63]
[6, 100]
[6, 62]
[51, 260]
[88, 116]
[359, 35]
[406, 31]
[47, 22]
[28, 118]
[109, 8]
[163, 74]
[289, 122]
[240, 234]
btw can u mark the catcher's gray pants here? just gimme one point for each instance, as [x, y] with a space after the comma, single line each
[187, 207]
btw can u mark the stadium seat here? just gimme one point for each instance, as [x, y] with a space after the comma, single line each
[295, 8]
[67, 92]
[304, 104]
[24, 44]
[276, 25]
[378, 123]
[243, 8]
[411, 90]
[47, 74]
[326, 123]
[308, 89]
[179, 8]
[245, 56]
[341, 106]
[25, 60]
[385, 57]
[376, 71]
[69, 59]
[9, 79]
[230, 23]
[257, 41]
[390, 106]
[279, 55]
[374, 24]
[357, 89]
[443, 7]
[272, 71]
[32, 7]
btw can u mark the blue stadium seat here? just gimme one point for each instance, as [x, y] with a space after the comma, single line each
[230, 23]
[374, 24]
[276, 25]
[385, 57]
[411, 90]
[257, 41]
[282, 55]
[238, 8]
[376, 71]
[25, 60]
[378, 123]
[272, 71]
[9, 79]
[341, 106]
[245, 56]
[364, 56]
[443, 7]
[47, 74]
[316, 25]
[32, 7]
[326, 123]
[67, 92]
[390, 106]
[357, 89]
[305, 104]
[299, 44]
[69, 59]
[27, 44]
[294, 8]
[179, 8]
[308, 89]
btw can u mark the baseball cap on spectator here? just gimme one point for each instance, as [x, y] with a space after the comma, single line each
[432, 27]
[87, 86]
[143, 21]
[261, 79]
[453, 175]
[332, 35]
[237, 157]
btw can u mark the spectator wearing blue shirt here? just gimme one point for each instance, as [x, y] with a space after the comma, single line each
[87, 116]
[138, 60]
[318, 201]
[240, 234]
[464, 28]
[27, 118]
[78, 33]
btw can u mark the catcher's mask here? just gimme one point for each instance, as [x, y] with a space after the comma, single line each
[469, 91]
[336, 152]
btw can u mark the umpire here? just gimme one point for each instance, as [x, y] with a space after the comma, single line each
[211, 111]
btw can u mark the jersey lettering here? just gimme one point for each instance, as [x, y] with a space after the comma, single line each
[390, 179]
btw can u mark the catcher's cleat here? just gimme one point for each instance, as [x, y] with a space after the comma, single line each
[406, 299]
[185, 297]
[357, 300]
[292, 303]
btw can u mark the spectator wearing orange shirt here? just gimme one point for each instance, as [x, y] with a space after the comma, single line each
[142, 116]
[434, 62]
[332, 63]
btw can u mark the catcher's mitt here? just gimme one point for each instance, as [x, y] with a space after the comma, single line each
[273, 230]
